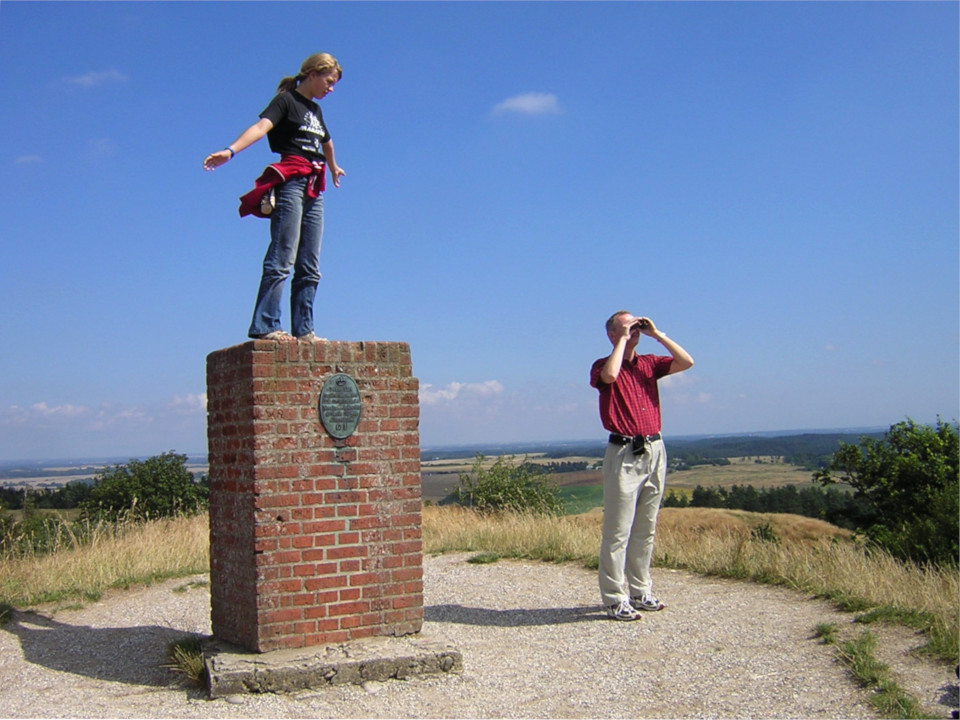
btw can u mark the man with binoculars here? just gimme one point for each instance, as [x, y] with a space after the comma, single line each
[635, 464]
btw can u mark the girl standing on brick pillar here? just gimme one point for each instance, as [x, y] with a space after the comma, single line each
[289, 192]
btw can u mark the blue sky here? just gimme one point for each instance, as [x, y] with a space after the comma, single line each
[775, 184]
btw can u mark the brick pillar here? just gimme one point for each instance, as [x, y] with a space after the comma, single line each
[313, 539]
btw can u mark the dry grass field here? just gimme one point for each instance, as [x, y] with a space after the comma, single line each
[741, 471]
[130, 554]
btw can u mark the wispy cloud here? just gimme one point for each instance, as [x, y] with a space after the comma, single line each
[489, 411]
[678, 380]
[188, 404]
[28, 160]
[532, 103]
[47, 430]
[429, 395]
[41, 409]
[98, 148]
[96, 79]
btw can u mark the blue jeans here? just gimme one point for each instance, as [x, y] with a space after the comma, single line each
[296, 229]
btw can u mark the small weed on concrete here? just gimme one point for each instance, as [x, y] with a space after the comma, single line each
[186, 658]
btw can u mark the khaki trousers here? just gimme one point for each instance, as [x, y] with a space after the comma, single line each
[632, 489]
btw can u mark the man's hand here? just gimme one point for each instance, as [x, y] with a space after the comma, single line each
[626, 326]
[646, 326]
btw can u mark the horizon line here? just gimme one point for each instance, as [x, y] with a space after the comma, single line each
[113, 459]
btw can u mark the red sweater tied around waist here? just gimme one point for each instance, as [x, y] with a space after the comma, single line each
[287, 168]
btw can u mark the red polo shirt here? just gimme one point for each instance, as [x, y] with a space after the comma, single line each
[631, 405]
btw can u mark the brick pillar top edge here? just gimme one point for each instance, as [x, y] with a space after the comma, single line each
[358, 346]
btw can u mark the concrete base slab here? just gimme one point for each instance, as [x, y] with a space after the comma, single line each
[232, 670]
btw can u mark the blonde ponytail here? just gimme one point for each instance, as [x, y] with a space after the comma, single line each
[318, 62]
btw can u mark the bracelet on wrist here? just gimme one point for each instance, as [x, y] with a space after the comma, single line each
[231, 151]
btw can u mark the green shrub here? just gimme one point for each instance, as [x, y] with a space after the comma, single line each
[909, 484]
[507, 486]
[160, 486]
[764, 532]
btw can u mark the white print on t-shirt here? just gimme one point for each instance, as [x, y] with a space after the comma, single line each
[312, 124]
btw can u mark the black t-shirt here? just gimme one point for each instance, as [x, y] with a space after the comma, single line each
[298, 127]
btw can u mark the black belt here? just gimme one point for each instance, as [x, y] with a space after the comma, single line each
[637, 443]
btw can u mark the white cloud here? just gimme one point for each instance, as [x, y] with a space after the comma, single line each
[188, 404]
[61, 411]
[100, 148]
[683, 389]
[450, 392]
[532, 103]
[95, 79]
[28, 159]
[44, 430]
[677, 380]
[489, 412]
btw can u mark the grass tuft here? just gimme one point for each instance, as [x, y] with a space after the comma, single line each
[888, 697]
[827, 632]
[186, 658]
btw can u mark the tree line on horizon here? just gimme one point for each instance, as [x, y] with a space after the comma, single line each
[838, 507]
[810, 451]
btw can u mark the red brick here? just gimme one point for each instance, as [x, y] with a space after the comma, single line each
[350, 608]
[315, 611]
[318, 583]
[340, 552]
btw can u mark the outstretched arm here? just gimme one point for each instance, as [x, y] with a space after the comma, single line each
[247, 138]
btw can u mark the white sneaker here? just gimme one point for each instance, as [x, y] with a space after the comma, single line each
[622, 611]
[647, 602]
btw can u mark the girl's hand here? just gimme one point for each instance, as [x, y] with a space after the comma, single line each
[215, 160]
[336, 172]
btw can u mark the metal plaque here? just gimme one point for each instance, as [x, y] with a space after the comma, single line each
[340, 406]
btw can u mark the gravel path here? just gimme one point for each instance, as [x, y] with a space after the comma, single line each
[534, 644]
